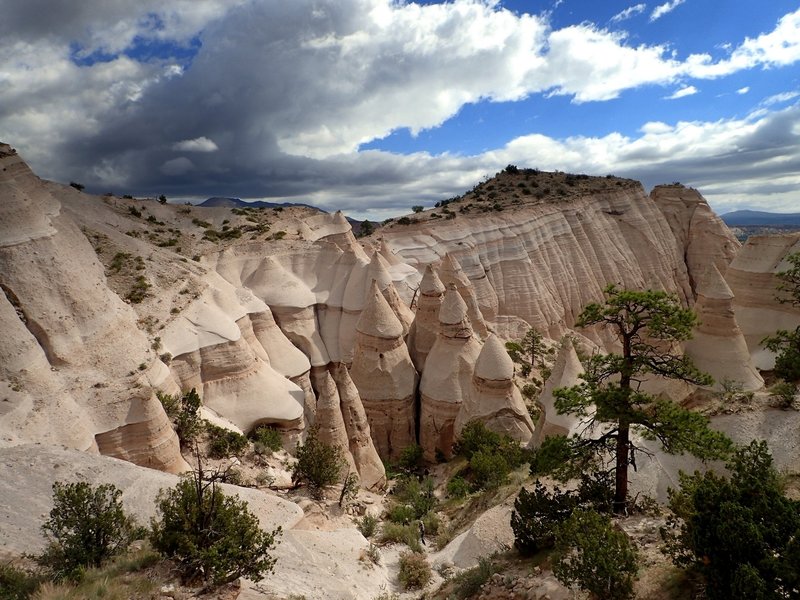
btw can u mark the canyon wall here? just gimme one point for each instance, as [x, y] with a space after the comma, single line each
[283, 317]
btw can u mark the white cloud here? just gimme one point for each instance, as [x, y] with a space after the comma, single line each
[662, 9]
[743, 90]
[287, 91]
[629, 12]
[780, 98]
[688, 90]
[199, 144]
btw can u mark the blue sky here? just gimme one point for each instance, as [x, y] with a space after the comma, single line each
[373, 106]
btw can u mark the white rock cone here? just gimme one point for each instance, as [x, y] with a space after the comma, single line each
[385, 377]
[425, 326]
[566, 373]
[495, 400]
[370, 468]
[447, 377]
[718, 346]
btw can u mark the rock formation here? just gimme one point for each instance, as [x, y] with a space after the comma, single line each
[330, 422]
[453, 274]
[447, 377]
[65, 332]
[752, 280]
[425, 326]
[718, 346]
[566, 372]
[385, 377]
[494, 399]
[370, 468]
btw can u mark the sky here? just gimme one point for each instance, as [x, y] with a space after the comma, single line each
[374, 106]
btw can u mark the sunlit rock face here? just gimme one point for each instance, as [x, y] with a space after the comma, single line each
[71, 348]
[385, 377]
[752, 280]
[718, 346]
[494, 400]
[371, 471]
[545, 261]
[447, 377]
[425, 327]
[263, 324]
[566, 372]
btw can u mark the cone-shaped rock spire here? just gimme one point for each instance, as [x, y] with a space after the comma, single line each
[425, 326]
[370, 468]
[566, 373]
[385, 377]
[453, 274]
[494, 399]
[447, 377]
[718, 346]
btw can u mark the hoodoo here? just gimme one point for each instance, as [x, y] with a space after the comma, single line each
[494, 399]
[718, 346]
[447, 377]
[385, 376]
[370, 468]
[566, 373]
[452, 274]
[425, 326]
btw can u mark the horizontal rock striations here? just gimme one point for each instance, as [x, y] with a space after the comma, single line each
[447, 377]
[385, 377]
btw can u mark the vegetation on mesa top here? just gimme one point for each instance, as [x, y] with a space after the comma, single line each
[514, 186]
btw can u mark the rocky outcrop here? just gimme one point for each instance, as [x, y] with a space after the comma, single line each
[385, 377]
[71, 346]
[453, 274]
[425, 326]
[751, 277]
[701, 236]
[718, 346]
[447, 377]
[494, 400]
[566, 372]
[371, 471]
[330, 422]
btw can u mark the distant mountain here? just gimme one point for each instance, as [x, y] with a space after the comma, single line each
[218, 201]
[742, 218]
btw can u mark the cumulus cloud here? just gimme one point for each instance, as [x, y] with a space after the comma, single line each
[688, 90]
[629, 12]
[743, 90]
[662, 9]
[198, 144]
[277, 97]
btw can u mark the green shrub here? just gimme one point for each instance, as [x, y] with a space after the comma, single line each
[411, 459]
[402, 513]
[488, 470]
[457, 487]
[467, 584]
[592, 554]
[319, 465]
[431, 523]
[212, 537]
[184, 412]
[395, 533]
[782, 393]
[17, 583]
[415, 572]
[741, 533]
[536, 515]
[86, 526]
[224, 442]
[491, 456]
[415, 494]
[266, 440]
[367, 525]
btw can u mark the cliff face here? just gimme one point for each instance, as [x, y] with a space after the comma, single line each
[107, 300]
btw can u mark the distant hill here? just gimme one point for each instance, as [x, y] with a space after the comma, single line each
[741, 218]
[218, 201]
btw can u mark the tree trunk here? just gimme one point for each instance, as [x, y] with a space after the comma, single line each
[621, 479]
